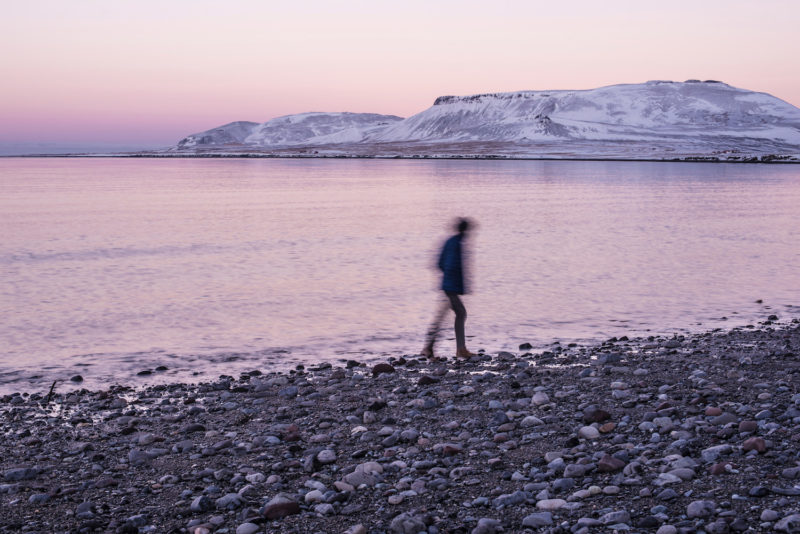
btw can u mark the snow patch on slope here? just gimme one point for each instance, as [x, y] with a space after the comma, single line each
[231, 133]
[294, 130]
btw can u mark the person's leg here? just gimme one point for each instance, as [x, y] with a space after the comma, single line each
[433, 331]
[461, 318]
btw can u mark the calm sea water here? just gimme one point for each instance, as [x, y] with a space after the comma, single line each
[112, 266]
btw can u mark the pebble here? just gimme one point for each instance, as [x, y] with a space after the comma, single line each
[575, 470]
[595, 414]
[754, 444]
[280, 506]
[551, 504]
[201, 504]
[540, 398]
[324, 509]
[748, 426]
[39, 498]
[790, 523]
[255, 478]
[537, 520]
[642, 442]
[721, 468]
[314, 496]
[382, 368]
[229, 501]
[667, 495]
[247, 528]
[326, 456]
[769, 515]
[616, 517]
[407, 523]
[713, 453]
[700, 509]
[21, 473]
[605, 428]
[530, 421]
[487, 525]
[610, 464]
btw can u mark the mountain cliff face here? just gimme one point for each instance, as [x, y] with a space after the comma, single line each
[657, 119]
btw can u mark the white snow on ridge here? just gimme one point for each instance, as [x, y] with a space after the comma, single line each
[319, 128]
[293, 130]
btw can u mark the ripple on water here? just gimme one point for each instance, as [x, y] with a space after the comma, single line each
[114, 266]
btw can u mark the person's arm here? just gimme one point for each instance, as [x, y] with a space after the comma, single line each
[442, 264]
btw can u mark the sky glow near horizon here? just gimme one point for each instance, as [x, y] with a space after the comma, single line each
[150, 72]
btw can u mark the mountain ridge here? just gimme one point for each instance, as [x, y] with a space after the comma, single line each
[653, 120]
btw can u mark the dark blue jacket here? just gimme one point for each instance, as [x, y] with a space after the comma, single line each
[451, 265]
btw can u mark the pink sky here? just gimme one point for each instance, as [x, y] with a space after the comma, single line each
[150, 72]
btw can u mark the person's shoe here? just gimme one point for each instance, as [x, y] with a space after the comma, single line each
[466, 354]
[427, 352]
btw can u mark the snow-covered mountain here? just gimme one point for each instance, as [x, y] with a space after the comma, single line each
[645, 110]
[653, 120]
[305, 129]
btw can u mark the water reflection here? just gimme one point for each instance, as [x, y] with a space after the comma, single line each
[119, 263]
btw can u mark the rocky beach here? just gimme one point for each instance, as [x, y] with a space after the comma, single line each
[693, 433]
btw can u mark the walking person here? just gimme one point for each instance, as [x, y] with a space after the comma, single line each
[451, 263]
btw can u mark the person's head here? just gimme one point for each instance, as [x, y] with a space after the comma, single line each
[463, 225]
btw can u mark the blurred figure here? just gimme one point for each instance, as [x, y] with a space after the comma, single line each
[451, 263]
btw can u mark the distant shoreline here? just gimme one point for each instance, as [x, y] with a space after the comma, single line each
[768, 159]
